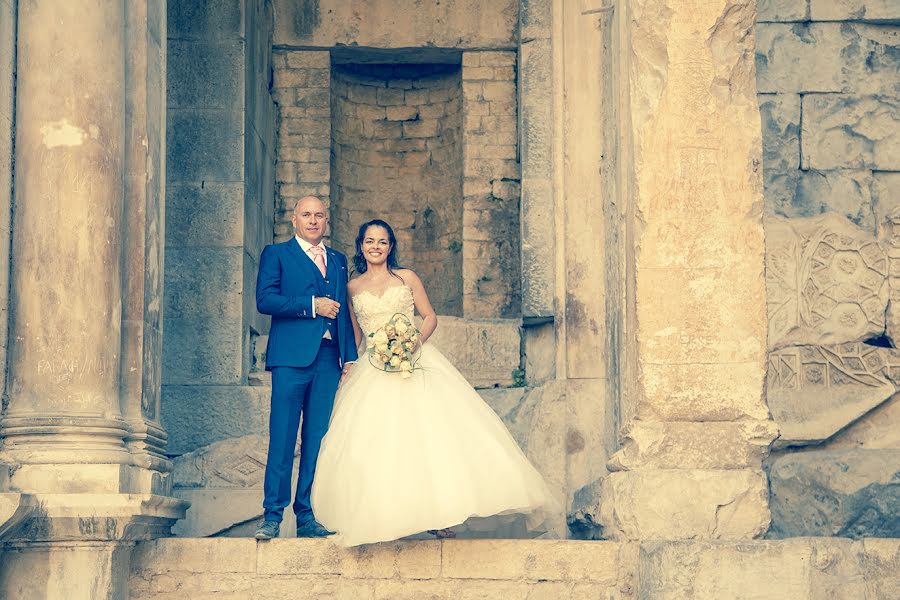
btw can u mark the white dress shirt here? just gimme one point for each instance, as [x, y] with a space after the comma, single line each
[307, 248]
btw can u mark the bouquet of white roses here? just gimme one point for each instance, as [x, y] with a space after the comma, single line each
[392, 346]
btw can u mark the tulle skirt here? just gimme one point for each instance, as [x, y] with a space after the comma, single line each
[403, 456]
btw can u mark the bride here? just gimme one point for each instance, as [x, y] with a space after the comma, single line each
[407, 455]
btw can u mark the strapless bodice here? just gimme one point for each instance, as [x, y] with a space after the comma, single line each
[373, 311]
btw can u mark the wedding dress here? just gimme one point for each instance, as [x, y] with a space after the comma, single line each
[403, 456]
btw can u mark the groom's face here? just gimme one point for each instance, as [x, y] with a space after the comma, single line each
[310, 219]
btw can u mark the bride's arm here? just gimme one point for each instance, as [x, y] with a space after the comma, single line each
[357, 331]
[423, 304]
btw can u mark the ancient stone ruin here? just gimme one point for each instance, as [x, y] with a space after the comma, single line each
[662, 237]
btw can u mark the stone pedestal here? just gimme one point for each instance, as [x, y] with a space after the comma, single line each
[83, 440]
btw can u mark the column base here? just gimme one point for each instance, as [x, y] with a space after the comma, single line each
[676, 504]
[65, 570]
[96, 517]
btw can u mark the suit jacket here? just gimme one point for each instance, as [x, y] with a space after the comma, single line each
[285, 284]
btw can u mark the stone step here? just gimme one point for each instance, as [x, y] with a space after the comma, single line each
[799, 569]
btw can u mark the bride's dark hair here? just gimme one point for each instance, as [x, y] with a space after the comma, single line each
[359, 259]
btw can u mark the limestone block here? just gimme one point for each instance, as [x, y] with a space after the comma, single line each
[826, 57]
[398, 24]
[815, 391]
[886, 206]
[825, 281]
[702, 392]
[568, 560]
[65, 570]
[879, 428]
[190, 291]
[204, 216]
[197, 415]
[854, 10]
[195, 555]
[797, 193]
[782, 10]
[204, 74]
[202, 19]
[682, 503]
[881, 567]
[200, 349]
[413, 559]
[781, 131]
[853, 493]
[688, 445]
[842, 131]
[14, 508]
[204, 145]
[486, 351]
[766, 569]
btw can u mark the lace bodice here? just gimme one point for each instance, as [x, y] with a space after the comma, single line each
[373, 311]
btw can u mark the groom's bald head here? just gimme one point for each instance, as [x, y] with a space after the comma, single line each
[309, 219]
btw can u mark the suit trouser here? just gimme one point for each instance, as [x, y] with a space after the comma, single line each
[295, 390]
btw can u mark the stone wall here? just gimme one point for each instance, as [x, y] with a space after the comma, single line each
[827, 95]
[491, 261]
[800, 569]
[219, 199]
[303, 103]
[397, 155]
[423, 24]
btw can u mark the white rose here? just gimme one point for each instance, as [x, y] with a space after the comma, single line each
[395, 361]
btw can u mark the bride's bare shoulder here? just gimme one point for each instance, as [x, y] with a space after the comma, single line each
[408, 276]
[355, 285]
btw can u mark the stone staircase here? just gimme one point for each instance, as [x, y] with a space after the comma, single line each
[796, 569]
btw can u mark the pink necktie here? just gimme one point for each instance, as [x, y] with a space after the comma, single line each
[319, 258]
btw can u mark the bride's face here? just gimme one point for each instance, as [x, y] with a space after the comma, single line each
[376, 245]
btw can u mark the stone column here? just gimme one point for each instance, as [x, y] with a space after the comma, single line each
[64, 430]
[67, 250]
[695, 426]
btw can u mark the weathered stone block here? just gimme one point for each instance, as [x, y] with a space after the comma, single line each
[485, 351]
[853, 493]
[310, 59]
[204, 145]
[198, 415]
[204, 216]
[536, 82]
[826, 57]
[703, 392]
[210, 555]
[205, 19]
[851, 132]
[854, 10]
[205, 74]
[686, 445]
[433, 24]
[881, 567]
[885, 202]
[682, 503]
[815, 391]
[766, 569]
[876, 429]
[568, 560]
[189, 296]
[782, 10]
[809, 193]
[825, 281]
[781, 131]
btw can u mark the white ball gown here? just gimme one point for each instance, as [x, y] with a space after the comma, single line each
[403, 456]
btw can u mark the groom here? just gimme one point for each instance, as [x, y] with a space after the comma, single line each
[303, 285]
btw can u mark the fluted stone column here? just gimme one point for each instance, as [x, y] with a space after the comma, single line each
[65, 429]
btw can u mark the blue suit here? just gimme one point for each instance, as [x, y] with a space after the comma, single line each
[306, 368]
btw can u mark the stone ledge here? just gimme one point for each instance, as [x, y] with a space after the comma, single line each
[799, 568]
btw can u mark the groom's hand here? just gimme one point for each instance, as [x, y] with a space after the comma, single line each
[328, 308]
